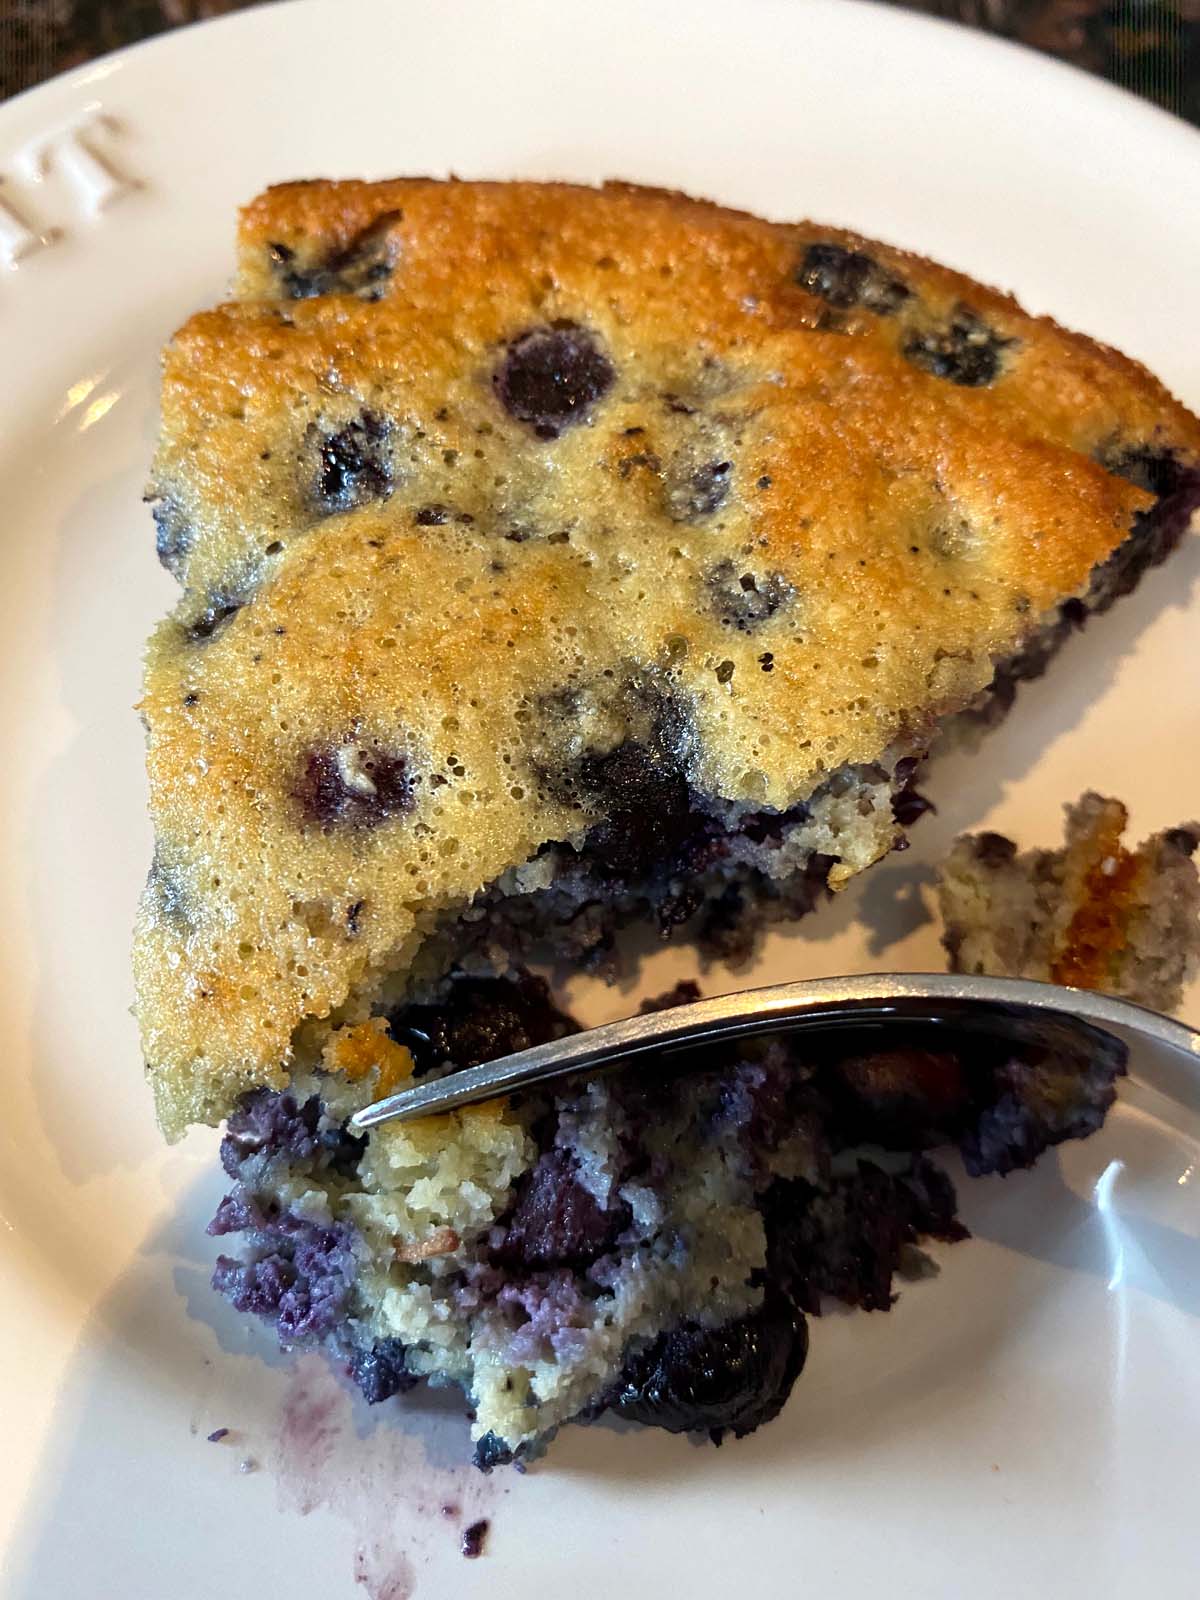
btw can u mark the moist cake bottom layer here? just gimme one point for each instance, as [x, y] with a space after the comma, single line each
[648, 1243]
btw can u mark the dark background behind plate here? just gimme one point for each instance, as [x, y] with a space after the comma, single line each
[1151, 47]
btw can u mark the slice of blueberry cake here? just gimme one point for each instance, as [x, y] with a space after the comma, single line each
[553, 558]
[1094, 913]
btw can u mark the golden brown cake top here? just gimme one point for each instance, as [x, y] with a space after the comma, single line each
[469, 475]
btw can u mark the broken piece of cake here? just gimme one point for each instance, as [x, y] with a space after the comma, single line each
[554, 558]
[1095, 913]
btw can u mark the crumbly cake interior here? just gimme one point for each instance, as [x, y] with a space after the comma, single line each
[556, 556]
[650, 1243]
[1094, 913]
[552, 558]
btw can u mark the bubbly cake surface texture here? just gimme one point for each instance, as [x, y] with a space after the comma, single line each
[514, 521]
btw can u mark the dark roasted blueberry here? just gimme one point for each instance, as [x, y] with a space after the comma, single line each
[300, 285]
[1185, 840]
[360, 268]
[550, 377]
[432, 516]
[713, 1380]
[354, 786]
[905, 770]
[695, 492]
[908, 806]
[556, 1222]
[1031, 661]
[491, 1451]
[381, 1372]
[965, 350]
[844, 1242]
[643, 458]
[1155, 468]
[644, 795]
[744, 600]
[353, 465]
[479, 1020]
[173, 534]
[845, 278]
[369, 257]
[213, 619]
[471, 1544]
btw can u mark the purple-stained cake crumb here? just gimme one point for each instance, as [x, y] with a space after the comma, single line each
[473, 1539]
[758, 1098]
[269, 1126]
[296, 1273]
[270, 1121]
[174, 534]
[217, 1435]
[550, 1316]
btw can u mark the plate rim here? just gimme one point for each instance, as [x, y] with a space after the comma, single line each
[957, 35]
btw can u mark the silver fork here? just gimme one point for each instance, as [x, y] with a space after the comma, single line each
[872, 1011]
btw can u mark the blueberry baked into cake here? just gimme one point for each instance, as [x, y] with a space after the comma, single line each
[554, 558]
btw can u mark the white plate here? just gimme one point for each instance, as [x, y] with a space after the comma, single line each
[1027, 1423]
